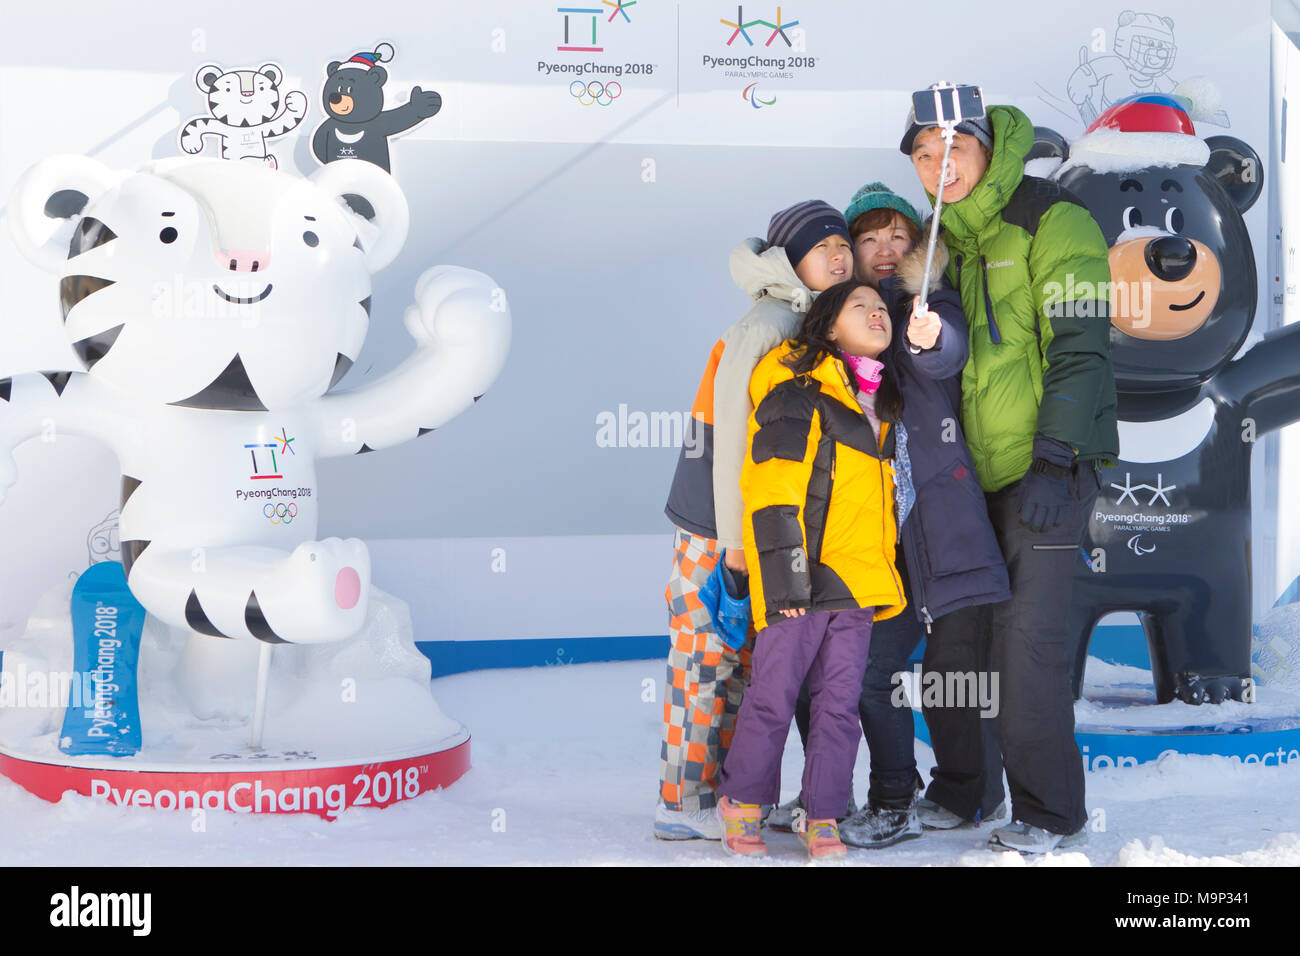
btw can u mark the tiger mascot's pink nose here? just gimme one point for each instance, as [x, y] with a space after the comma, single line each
[243, 260]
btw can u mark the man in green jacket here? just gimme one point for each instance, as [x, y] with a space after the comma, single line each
[1038, 409]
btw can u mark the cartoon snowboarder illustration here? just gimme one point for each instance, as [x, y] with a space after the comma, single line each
[1144, 53]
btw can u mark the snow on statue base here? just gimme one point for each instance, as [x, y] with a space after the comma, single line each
[1118, 723]
[348, 724]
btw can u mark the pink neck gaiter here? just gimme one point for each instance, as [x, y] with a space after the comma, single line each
[867, 371]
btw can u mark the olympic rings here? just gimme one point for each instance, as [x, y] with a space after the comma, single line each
[280, 513]
[595, 92]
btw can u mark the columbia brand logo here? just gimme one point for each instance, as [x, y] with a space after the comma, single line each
[1000, 264]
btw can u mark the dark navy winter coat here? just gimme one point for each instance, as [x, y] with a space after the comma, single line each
[952, 553]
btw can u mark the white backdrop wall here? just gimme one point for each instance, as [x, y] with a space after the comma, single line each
[608, 225]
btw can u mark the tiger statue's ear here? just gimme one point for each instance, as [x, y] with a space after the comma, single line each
[375, 203]
[206, 75]
[48, 201]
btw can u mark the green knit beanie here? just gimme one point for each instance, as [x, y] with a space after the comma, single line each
[879, 196]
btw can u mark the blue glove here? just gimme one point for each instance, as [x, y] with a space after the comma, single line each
[726, 597]
[1045, 496]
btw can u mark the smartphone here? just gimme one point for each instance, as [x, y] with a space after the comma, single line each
[948, 104]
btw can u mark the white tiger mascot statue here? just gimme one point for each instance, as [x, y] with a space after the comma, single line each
[215, 305]
[244, 110]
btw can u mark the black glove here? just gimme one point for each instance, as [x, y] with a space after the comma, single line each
[1045, 496]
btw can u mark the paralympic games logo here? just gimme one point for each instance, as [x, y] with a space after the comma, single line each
[750, 96]
[595, 92]
[280, 513]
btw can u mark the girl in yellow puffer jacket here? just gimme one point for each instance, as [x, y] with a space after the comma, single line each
[819, 534]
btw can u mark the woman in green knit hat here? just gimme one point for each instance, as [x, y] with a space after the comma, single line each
[884, 227]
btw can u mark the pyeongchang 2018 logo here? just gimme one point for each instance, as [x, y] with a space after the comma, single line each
[775, 61]
[1145, 518]
[584, 31]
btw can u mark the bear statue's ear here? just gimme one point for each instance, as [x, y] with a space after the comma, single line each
[375, 203]
[272, 72]
[334, 65]
[206, 75]
[1048, 143]
[378, 75]
[1049, 151]
[48, 201]
[1237, 168]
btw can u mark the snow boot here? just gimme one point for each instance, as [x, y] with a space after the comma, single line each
[875, 827]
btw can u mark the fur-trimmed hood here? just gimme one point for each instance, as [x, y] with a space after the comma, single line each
[911, 268]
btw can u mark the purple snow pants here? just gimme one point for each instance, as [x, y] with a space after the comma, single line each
[829, 650]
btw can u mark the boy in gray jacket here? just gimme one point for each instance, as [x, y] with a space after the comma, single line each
[807, 250]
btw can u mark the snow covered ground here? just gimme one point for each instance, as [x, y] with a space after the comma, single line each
[565, 764]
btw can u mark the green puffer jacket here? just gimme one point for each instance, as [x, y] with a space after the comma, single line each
[1031, 264]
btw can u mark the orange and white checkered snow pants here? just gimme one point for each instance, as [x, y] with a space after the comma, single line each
[705, 683]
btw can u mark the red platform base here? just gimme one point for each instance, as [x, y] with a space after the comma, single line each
[323, 790]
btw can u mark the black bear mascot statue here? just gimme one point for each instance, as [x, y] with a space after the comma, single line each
[1170, 535]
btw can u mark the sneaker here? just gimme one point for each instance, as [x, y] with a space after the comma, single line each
[782, 817]
[821, 837]
[742, 824]
[875, 827]
[935, 817]
[1031, 839]
[687, 824]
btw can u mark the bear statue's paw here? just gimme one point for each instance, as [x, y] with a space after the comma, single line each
[1198, 689]
[318, 595]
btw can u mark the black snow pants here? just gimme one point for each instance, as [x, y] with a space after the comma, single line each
[1021, 643]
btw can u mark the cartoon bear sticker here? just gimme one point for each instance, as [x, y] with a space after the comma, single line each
[356, 124]
[1170, 534]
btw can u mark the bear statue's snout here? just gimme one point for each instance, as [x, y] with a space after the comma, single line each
[1170, 258]
[1163, 288]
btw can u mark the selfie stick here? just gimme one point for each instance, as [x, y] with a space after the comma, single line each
[947, 129]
